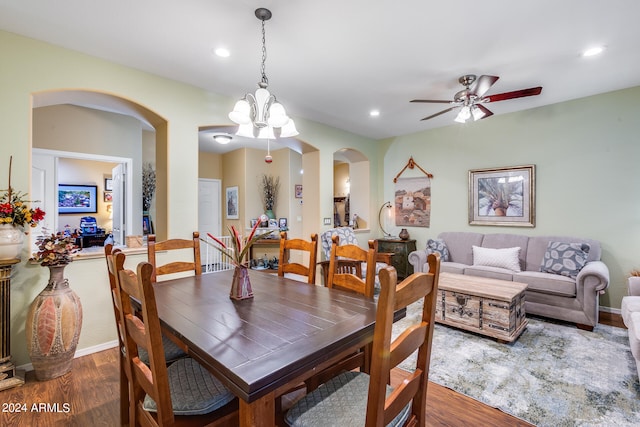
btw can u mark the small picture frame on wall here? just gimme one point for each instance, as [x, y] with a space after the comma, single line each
[253, 222]
[232, 202]
[298, 191]
[282, 223]
[108, 184]
[107, 197]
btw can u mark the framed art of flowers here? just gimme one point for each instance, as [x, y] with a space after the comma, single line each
[502, 196]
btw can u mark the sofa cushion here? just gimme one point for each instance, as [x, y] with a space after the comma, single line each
[564, 258]
[537, 247]
[449, 267]
[489, 272]
[502, 258]
[547, 283]
[459, 244]
[504, 240]
[438, 246]
[634, 335]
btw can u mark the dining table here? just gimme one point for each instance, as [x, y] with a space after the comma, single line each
[262, 346]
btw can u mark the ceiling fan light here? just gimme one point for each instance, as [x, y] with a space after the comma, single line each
[477, 113]
[463, 115]
[266, 133]
[240, 113]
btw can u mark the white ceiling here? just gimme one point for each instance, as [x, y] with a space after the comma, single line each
[333, 61]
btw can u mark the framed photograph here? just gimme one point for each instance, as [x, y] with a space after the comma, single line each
[232, 202]
[502, 196]
[282, 223]
[107, 197]
[147, 225]
[253, 222]
[73, 199]
[108, 184]
[273, 223]
[298, 191]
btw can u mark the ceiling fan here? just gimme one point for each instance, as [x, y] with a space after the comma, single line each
[473, 96]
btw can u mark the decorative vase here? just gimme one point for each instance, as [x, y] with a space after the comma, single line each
[11, 238]
[404, 234]
[241, 284]
[270, 214]
[53, 327]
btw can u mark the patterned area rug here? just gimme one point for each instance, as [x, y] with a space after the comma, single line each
[553, 375]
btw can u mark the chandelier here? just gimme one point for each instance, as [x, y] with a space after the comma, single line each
[260, 115]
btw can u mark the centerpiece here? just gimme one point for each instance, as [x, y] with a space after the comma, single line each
[237, 253]
[54, 319]
[15, 216]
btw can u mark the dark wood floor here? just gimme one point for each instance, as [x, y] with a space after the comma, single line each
[89, 395]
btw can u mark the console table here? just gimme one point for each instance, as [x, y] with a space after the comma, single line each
[401, 250]
[8, 375]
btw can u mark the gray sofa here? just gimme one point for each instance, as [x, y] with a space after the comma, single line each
[571, 299]
[631, 316]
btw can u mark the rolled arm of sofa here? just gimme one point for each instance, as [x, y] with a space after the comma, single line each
[633, 285]
[594, 277]
[418, 259]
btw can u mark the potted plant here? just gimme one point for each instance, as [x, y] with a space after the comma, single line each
[237, 253]
[270, 187]
[54, 319]
[15, 216]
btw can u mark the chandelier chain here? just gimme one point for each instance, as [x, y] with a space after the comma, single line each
[265, 80]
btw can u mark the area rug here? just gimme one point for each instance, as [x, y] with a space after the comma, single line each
[553, 375]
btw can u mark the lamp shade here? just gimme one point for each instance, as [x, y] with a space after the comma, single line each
[240, 113]
[288, 130]
[277, 115]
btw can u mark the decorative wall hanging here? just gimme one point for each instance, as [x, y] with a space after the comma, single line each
[412, 201]
[502, 196]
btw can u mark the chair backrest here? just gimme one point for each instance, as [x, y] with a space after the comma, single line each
[174, 266]
[109, 254]
[346, 236]
[287, 245]
[143, 331]
[342, 254]
[386, 354]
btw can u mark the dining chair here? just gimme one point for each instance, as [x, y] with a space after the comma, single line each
[294, 270]
[153, 247]
[346, 236]
[357, 398]
[347, 277]
[183, 392]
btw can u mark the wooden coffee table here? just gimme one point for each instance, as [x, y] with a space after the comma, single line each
[490, 307]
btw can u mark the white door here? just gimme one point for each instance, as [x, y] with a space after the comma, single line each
[119, 228]
[209, 214]
[44, 185]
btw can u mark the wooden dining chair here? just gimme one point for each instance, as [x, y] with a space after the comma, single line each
[349, 276]
[182, 393]
[294, 269]
[356, 398]
[194, 265]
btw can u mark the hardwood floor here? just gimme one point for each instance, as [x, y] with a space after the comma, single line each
[89, 395]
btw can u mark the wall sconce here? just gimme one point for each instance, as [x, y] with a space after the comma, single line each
[388, 206]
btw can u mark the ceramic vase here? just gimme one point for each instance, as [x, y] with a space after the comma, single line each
[11, 238]
[404, 234]
[241, 284]
[53, 327]
[270, 214]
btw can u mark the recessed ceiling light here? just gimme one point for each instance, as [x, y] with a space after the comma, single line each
[374, 113]
[222, 52]
[593, 51]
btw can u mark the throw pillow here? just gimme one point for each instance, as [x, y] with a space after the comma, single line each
[566, 259]
[502, 258]
[439, 246]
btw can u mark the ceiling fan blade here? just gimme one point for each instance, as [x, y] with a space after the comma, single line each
[483, 84]
[433, 101]
[515, 94]
[485, 110]
[437, 114]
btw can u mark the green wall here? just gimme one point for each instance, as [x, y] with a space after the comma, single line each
[585, 152]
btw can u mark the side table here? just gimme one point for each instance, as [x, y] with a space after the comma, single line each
[401, 250]
[9, 377]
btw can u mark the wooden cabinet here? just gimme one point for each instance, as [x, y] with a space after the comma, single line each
[400, 250]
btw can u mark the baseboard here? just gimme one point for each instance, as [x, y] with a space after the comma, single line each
[79, 353]
[611, 310]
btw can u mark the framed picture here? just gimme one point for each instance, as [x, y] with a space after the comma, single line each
[74, 199]
[298, 191]
[147, 225]
[502, 196]
[107, 197]
[108, 184]
[232, 202]
[282, 223]
[273, 223]
[253, 222]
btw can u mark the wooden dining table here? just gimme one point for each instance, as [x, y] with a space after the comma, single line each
[261, 347]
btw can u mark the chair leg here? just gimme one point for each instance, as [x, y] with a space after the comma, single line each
[124, 396]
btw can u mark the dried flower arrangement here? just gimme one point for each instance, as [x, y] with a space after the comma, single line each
[270, 187]
[148, 185]
[239, 249]
[54, 249]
